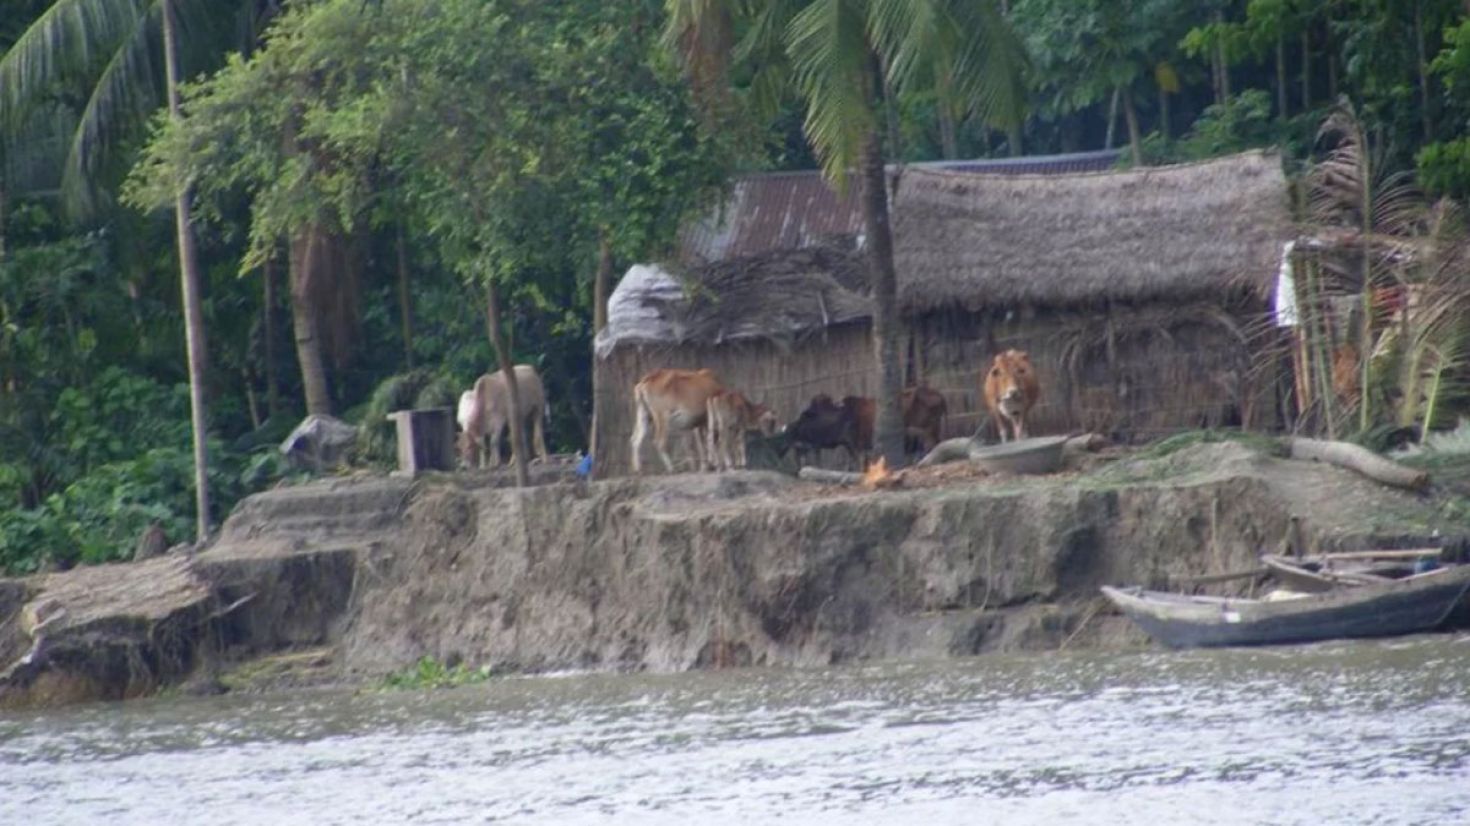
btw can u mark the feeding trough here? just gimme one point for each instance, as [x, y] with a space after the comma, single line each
[1042, 454]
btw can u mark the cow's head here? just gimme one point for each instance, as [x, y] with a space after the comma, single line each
[1012, 382]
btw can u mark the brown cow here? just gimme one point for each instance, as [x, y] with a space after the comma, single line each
[850, 425]
[670, 399]
[924, 409]
[485, 411]
[730, 415]
[1011, 390]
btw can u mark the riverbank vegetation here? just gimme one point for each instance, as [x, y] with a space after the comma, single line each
[392, 191]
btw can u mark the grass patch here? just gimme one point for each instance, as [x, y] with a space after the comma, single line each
[1179, 441]
[430, 673]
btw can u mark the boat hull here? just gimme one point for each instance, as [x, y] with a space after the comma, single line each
[1393, 608]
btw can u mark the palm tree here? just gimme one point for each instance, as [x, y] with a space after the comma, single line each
[839, 56]
[108, 49]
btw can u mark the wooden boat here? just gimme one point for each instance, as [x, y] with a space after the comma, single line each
[1323, 572]
[1402, 606]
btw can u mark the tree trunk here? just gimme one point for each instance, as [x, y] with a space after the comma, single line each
[1135, 141]
[1221, 62]
[507, 369]
[1281, 111]
[272, 390]
[890, 116]
[193, 304]
[1331, 54]
[1013, 141]
[1306, 68]
[1112, 120]
[601, 284]
[1217, 65]
[1164, 129]
[304, 315]
[1428, 122]
[405, 300]
[888, 430]
[949, 147]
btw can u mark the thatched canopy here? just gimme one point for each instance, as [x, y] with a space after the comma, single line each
[1177, 232]
[776, 296]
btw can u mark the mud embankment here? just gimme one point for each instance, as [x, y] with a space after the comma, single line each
[359, 578]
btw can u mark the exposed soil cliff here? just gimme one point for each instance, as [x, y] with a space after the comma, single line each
[680, 572]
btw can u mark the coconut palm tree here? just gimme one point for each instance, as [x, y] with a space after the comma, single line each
[839, 56]
[110, 50]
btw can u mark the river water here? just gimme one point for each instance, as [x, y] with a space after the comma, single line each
[1363, 732]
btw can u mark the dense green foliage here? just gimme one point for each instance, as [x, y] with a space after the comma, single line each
[502, 140]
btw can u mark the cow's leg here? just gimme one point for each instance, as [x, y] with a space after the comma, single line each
[661, 442]
[538, 430]
[495, 432]
[737, 435]
[715, 433]
[1020, 422]
[1000, 427]
[698, 436]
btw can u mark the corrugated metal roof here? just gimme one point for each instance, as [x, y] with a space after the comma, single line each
[788, 210]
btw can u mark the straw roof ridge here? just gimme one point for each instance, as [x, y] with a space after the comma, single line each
[779, 295]
[1204, 229]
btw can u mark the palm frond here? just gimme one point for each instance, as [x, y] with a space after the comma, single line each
[33, 153]
[835, 71]
[122, 97]
[68, 41]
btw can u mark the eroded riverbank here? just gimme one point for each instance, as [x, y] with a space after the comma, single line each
[356, 578]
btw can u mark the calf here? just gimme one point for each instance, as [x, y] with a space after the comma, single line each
[1011, 390]
[924, 409]
[730, 415]
[824, 424]
[485, 411]
[668, 400]
[851, 425]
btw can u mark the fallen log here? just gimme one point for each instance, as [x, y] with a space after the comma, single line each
[965, 447]
[1360, 460]
[950, 450]
[1394, 553]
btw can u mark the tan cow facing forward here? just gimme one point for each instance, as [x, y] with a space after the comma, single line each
[668, 400]
[1011, 390]
[730, 415]
[485, 411]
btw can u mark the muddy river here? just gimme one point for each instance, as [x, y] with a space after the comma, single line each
[1375, 732]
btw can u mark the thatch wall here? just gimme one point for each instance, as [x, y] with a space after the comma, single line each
[1131, 372]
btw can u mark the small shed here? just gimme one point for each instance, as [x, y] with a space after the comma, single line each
[1141, 296]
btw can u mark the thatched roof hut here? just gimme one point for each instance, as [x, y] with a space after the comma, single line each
[1132, 290]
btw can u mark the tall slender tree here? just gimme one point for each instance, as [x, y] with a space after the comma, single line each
[836, 55]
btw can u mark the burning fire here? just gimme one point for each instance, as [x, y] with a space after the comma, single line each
[877, 475]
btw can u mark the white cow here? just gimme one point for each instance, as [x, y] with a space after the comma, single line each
[485, 411]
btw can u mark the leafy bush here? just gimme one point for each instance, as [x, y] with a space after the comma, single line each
[430, 673]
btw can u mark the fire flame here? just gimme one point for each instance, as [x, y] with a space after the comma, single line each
[877, 475]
